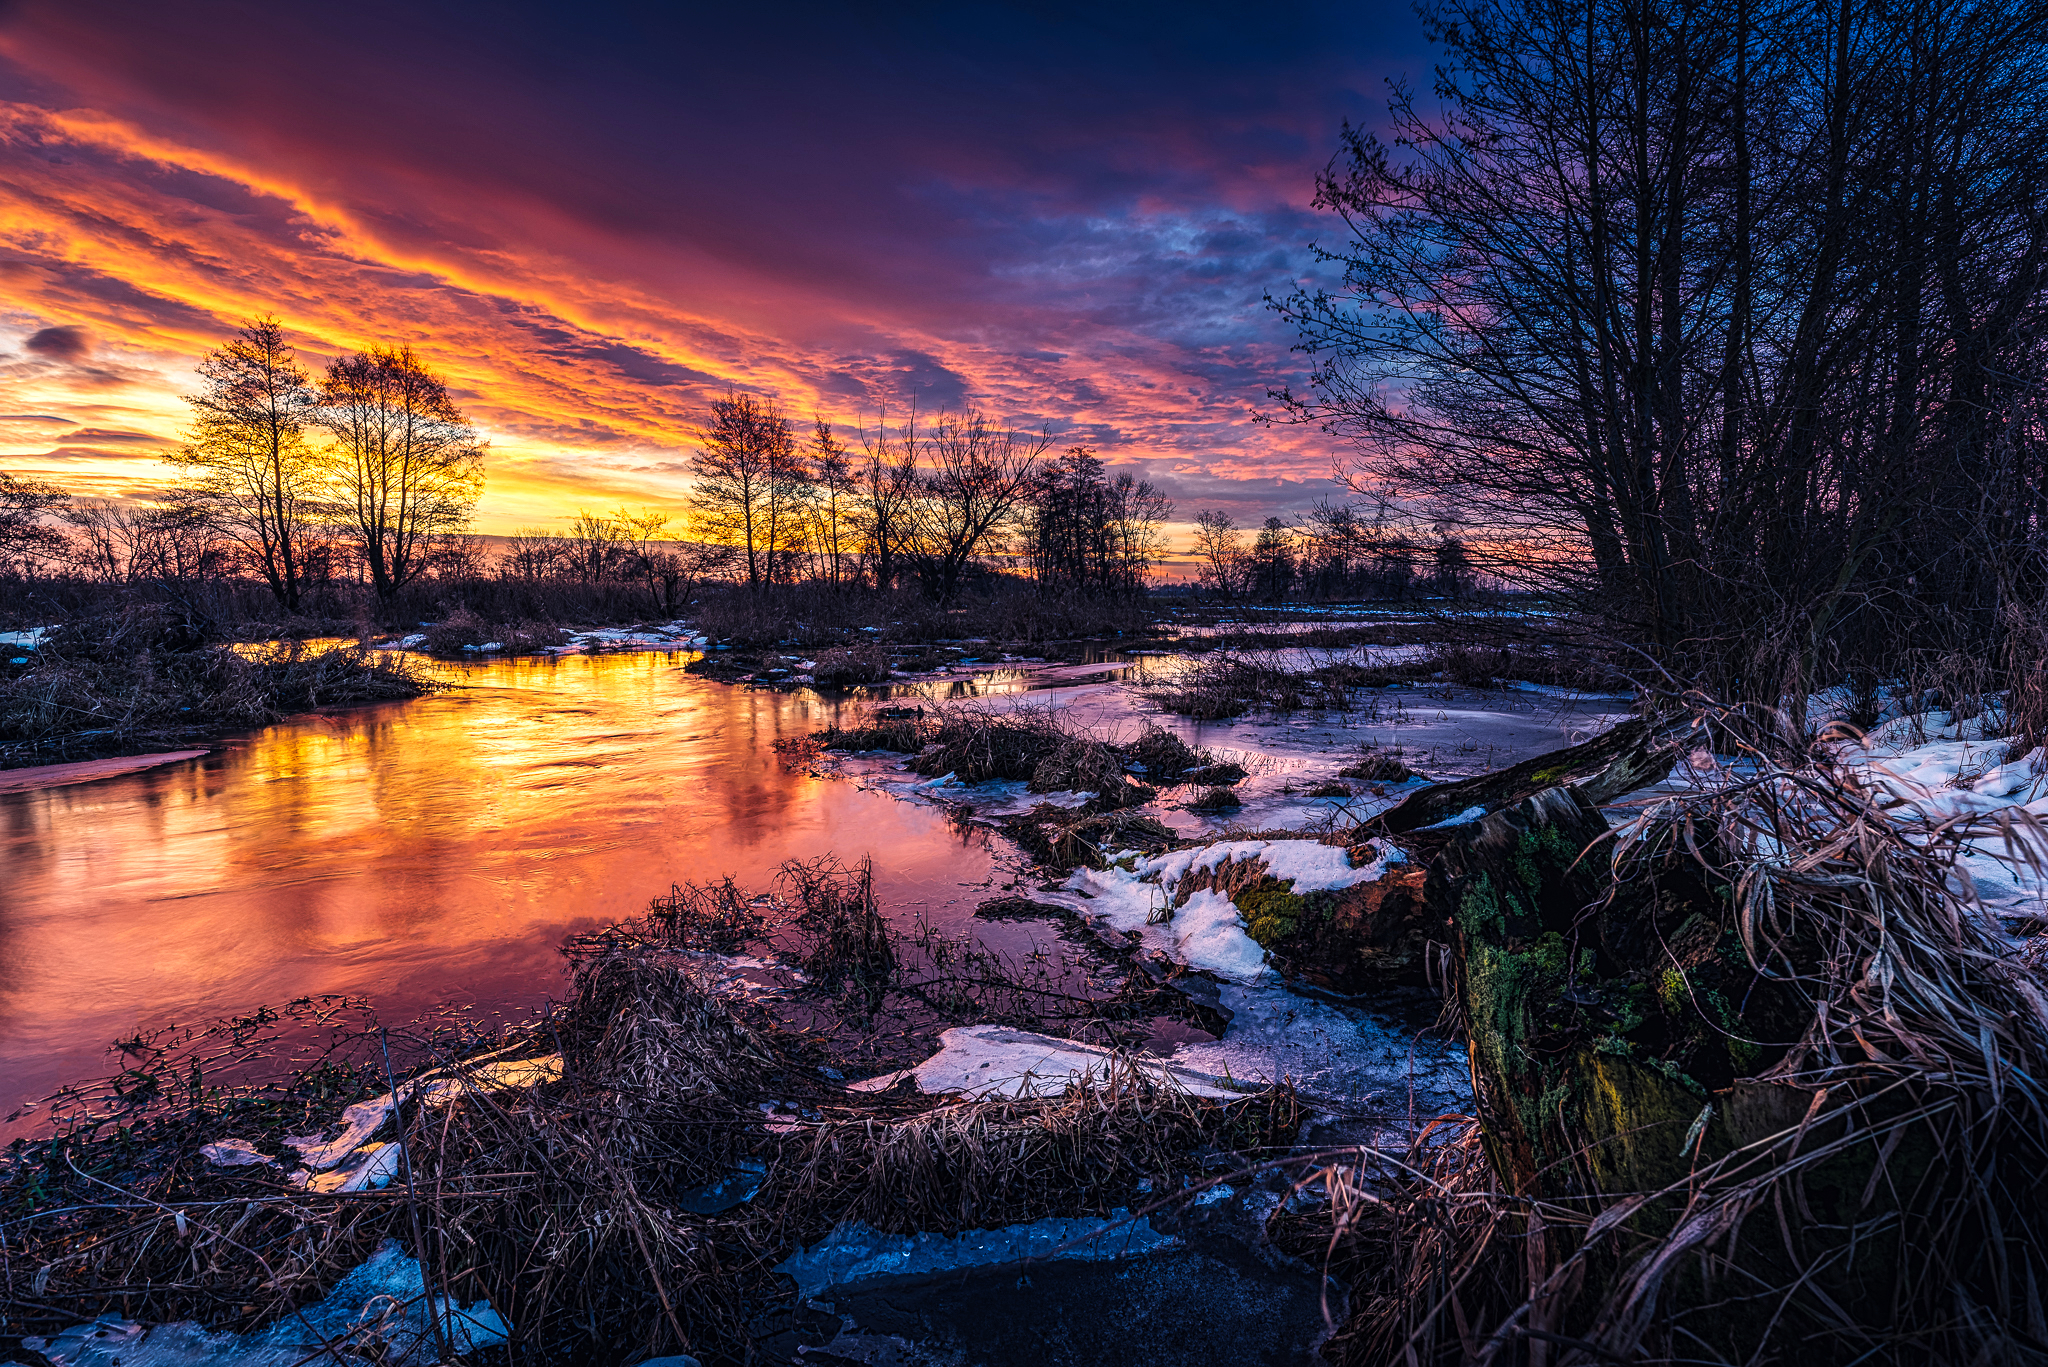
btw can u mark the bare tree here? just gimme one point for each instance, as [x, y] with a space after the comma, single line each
[885, 499]
[178, 542]
[674, 570]
[27, 540]
[831, 494]
[1703, 313]
[1271, 563]
[106, 535]
[250, 465]
[1220, 547]
[536, 553]
[1086, 531]
[977, 475]
[596, 549]
[747, 475]
[408, 467]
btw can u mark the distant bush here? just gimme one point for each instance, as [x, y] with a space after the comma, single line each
[843, 667]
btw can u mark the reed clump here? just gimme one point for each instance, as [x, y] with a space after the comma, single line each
[1759, 1078]
[845, 936]
[847, 666]
[1376, 765]
[1165, 756]
[717, 916]
[460, 632]
[978, 743]
[145, 676]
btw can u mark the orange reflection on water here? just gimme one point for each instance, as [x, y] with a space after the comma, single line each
[416, 852]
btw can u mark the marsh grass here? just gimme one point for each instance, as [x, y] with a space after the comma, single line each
[145, 677]
[561, 1203]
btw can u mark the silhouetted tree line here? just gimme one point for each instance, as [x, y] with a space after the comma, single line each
[1722, 319]
[368, 475]
[1332, 554]
[927, 503]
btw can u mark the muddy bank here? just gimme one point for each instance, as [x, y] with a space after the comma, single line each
[144, 681]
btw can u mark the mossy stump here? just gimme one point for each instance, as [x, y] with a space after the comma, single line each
[1613, 1025]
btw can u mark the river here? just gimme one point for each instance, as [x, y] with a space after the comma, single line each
[420, 853]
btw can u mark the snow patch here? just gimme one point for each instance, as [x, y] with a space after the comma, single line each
[998, 1061]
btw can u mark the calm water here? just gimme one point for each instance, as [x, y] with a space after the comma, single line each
[418, 853]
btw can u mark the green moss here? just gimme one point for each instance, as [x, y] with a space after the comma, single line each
[1676, 1074]
[1273, 912]
[1479, 910]
[1672, 993]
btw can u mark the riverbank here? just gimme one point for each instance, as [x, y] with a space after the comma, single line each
[1184, 960]
[142, 681]
[672, 1159]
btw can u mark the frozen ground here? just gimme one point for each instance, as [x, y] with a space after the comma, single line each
[1442, 731]
[1381, 1068]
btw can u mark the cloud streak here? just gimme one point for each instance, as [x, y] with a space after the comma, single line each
[594, 225]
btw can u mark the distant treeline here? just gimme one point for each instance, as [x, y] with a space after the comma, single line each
[369, 474]
[1333, 554]
[351, 496]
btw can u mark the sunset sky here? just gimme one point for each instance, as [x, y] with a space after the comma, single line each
[595, 218]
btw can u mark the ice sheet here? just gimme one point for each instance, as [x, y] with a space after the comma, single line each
[998, 1061]
[379, 1312]
[856, 1252]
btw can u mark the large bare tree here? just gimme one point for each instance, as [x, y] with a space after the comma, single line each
[749, 482]
[977, 476]
[1703, 312]
[248, 462]
[408, 467]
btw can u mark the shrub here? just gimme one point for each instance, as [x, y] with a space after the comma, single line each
[843, 667]
[1164, 755]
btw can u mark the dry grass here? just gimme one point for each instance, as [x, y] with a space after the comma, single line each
[716, 916]
[459, 627]
[979, 743]
[846, 939]
[844, 666]
[1166, 757]
[144, 676]
[1891, 1212]
[1376, 765]
[563, 1203]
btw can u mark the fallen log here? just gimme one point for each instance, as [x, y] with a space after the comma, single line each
[1612, 763]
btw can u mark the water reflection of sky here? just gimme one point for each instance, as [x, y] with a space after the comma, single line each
[419, 852]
